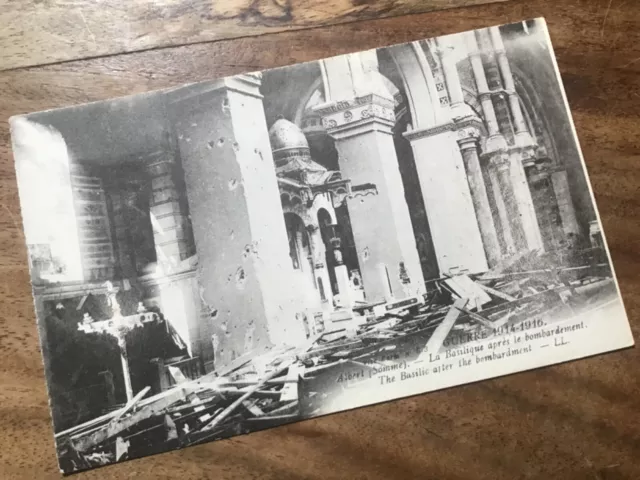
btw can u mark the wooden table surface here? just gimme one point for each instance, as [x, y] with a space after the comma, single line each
[574, 421]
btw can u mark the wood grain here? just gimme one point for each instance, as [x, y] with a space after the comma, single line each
[574, 421]
[38, 32]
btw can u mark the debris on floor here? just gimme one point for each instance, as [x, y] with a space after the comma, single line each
[275, 386]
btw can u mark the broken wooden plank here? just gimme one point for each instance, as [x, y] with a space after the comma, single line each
[87, 425]
[227, 411]
[257, 393]
[139, 396]
[496, 293]
[463, 287]
[478, 318]
[290, 390]
[253, 408]
[234, 365]
[177, 375]
[442, 331]
[83, 442]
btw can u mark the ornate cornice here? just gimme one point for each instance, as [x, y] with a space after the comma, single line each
[346, 114]
[342, 105]
[412, 135]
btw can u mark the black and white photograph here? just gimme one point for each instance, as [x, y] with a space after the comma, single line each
[232, 255]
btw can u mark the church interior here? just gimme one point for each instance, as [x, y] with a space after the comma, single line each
[261, 209]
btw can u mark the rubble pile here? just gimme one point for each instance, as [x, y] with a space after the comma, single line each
[283, 384]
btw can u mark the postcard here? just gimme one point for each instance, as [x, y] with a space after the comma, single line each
[241, 253]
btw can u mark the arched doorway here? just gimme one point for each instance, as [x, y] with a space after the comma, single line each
[301, 254]
[324, 220]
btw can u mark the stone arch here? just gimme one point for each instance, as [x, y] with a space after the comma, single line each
[299, 242]
[294, 205]
[325, 218]
[471, 99]
[419, 85]
[300, 110]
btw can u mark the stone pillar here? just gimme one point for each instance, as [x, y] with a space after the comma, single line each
[523, 137]
[526, 210]
[565, 203]
[502, 167]
[381, 224]
[244, 270]
[495, 141]
[503, 214]
[359, 116]
[166, 216]
[319, 250]
[469, 149]
[448, 200]
[527, 234]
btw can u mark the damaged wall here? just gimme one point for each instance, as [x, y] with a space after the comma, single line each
[244, 270]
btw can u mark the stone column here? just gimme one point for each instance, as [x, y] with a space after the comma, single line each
[523, 137]
[524, 202]
[381, 224]
[496, 140]
[469, 149]
[518, 191]
[244, 270]
[565, 203]
[359, 116]
[502, 168]
[503, 214]
[448, 200]
[166, 216]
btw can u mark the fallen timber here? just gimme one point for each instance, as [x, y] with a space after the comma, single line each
[274, 386]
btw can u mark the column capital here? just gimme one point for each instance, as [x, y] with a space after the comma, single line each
[348, 117]
[499, 160]
[468, 143]
[469, 133]
[495, 144]
[470, 125]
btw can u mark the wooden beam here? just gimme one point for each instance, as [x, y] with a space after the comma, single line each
[442, 331]
[478, 318]
[131, 404]
[82, 442]
[496, 293]
[227, 411]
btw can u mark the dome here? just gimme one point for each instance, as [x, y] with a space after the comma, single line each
[286, 135]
